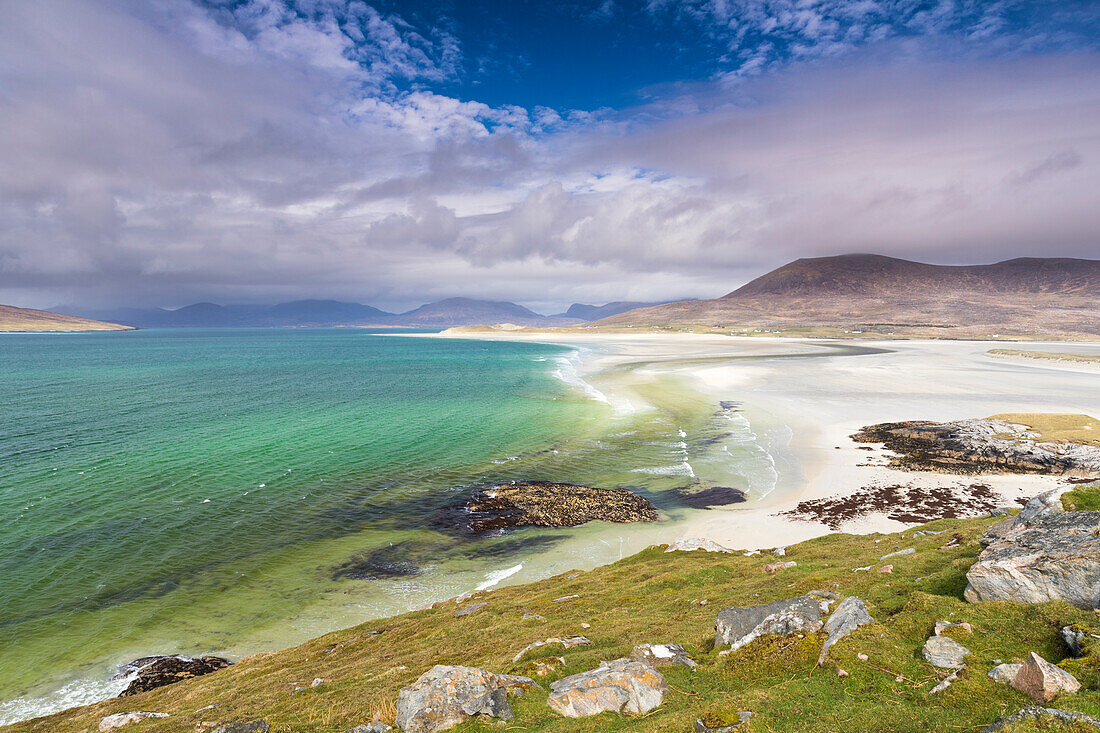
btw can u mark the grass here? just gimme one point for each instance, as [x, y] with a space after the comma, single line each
[657, 597]
[1049, 355]
[1056, 427]
[1082, 499]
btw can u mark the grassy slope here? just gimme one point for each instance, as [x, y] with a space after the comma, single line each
[1056, 427]
[1049, 355]
[649, 598]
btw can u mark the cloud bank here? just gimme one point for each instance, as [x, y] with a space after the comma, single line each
[161, 153]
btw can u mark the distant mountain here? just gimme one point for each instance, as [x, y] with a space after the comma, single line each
[587, 312]
[30, 320]
[442, 314]
[468, 312]
[1025, 297]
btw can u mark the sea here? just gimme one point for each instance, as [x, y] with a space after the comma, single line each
[236, 491]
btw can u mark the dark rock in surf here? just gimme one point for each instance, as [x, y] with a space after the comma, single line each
[714, 496]
[392, 561]
[168, 670]
[544, 504]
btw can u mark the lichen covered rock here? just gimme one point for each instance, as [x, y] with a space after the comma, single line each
[619, 686]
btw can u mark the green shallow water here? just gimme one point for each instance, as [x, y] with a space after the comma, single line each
[195, 491]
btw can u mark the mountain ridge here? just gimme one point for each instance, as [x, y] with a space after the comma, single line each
[30, 320]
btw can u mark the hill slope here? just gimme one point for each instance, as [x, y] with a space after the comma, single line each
[1026, 297]
[654, 597]
[28, 320]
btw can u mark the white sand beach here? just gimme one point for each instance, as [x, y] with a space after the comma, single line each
[825, 390]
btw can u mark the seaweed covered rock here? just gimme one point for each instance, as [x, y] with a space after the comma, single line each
[161, 671]
[979, 446]
[544, 504]
[445, 696]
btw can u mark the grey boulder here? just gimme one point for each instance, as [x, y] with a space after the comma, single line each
[111, 722]
[849, 615]
[662, 655]
[1053, 556]
[445, 696]
[1004, 673]
[736, 627]
[256, 726]
[743, 716]
[945, 653]
[1033, 713]
[376, 727]
[619, 686]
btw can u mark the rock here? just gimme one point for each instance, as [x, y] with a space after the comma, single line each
[945, 652]
[736, 627]
[1073, 636]
[944, 683]
[528, 616]
[1037, 714]
[120, 719]
[471, 608]
[862, 657]
[256, 726]
[566, 598]
[445, 696]
[942, 626]
[979, 446]
[167, 670]
[662, 655]
[714, 496]
[841, 672]
[690, 544]
[774, 567]
[619, 686]
[849, 615]
[826, 595]
[702, 727]
[543, 504]
[1004, 673]
[906, 551]
[780, 552]
[1043, 681]
[1053, 556]
[886, 569]
[566, 641]
[1044, 504]
[376, 727]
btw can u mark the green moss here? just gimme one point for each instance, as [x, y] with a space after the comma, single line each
[1082, 499]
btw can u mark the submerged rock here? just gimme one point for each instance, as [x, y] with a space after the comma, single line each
[445, 696]
[714, 496]
[736, 627]
[545, 504]
[979, 446]
[1051, 557]
[619, 686]
[167, 670]
[111, 722]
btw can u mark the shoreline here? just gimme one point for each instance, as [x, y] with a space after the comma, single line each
[757, 371]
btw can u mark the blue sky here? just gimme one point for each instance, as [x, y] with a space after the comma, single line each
[395, 151]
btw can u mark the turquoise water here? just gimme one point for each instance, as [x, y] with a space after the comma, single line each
[197, 491]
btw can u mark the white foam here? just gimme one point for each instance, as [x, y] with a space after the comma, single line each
[74, 694]
[498, 575]
[567, 372]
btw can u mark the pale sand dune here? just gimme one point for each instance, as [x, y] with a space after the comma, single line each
[829, 396]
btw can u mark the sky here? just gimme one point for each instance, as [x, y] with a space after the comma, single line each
[394, 152]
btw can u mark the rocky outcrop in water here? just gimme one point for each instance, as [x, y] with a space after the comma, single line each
[711, 497]
[979, 446]
[544, 504]
[161, 671]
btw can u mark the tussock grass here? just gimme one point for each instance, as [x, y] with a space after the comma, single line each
[1056, 427]
[656, 597]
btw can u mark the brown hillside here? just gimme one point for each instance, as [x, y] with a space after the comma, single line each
[1020, 298]
[30, 320]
